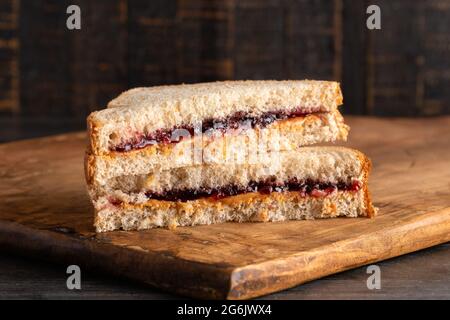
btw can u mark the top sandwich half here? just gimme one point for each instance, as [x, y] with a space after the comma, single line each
[161, 116]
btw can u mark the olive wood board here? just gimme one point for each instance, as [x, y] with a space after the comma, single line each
[45, 213]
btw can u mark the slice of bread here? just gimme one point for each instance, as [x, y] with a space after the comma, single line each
[146, 110]
[251, 207]
[326, 164]
[250, 146]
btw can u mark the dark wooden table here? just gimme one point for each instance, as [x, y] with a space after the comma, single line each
[421, 275]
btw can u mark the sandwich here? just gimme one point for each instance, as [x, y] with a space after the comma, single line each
[234, 151]
[166, 127]
[310, 183]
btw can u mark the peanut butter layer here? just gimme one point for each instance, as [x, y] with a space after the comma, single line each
[236, 121]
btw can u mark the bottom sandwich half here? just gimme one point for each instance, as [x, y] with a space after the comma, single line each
[310, 183]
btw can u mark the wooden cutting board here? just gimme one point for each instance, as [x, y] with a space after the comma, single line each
[45, 212]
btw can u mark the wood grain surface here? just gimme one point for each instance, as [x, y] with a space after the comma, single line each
[45, 212]
[423, 274]
[46, 69]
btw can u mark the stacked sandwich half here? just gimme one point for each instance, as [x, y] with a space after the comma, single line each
[237, 151]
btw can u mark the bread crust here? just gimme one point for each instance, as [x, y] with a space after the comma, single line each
[89, 167]
[93, 134]
[236, 85]
[366, 169]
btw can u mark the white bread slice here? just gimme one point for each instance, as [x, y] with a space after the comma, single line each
[252, 146]
[250, 207]
[122, 203]
[326, 164]
[144, 110]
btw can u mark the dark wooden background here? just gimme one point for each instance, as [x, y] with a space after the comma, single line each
[51, 77]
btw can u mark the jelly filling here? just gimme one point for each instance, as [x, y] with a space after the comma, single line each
[305, 188]
[235, 121]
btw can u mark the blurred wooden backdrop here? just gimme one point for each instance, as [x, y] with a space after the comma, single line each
[53, 75]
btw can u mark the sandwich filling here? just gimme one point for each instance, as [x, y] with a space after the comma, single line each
[304, 188]
[236, 121]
